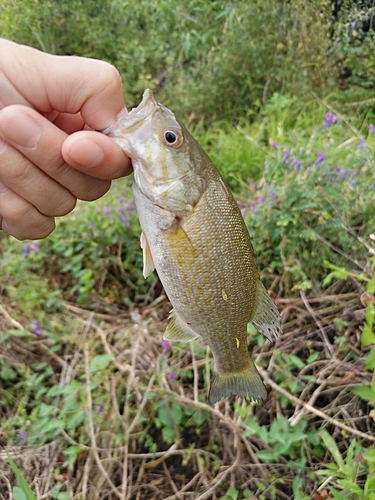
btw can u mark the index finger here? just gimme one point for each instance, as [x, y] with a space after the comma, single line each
[67, 84]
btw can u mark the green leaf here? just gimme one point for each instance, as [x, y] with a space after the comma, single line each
[368, 336]
[370, 483]
[337, 495]
[26, 490]
[100, 362]
[18, 494]
[363, 391]
[331, 446]
[351, 487]
[267, 455]
[370, 362]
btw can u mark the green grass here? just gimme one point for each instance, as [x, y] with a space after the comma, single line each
[90, 401]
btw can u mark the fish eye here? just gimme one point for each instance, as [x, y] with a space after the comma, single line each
[172, 138]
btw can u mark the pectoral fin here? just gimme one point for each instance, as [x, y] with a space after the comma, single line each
[178, 330]
[148, 261]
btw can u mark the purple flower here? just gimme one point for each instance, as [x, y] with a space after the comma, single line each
[91, 225]
[129, 206]
[361, 143]
[320, 158]
[261, 199]
[271, 193]
[164, 343]
[35, 246]
[286, 155]
[273, 144]
[296, 163]
[124, 218]
[344, 172]
[99, 410]
[35, 327]
[336, 168]
[22, 435]
[253, 206]
[243, 213]
[25, 249]
[107, 211]
[171, 375]
[371, 129]
[329, 120]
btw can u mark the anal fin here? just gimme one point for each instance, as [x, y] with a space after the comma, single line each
[148, 261]
[266, 318]
[178, 330]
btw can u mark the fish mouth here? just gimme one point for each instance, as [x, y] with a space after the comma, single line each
[135, 119]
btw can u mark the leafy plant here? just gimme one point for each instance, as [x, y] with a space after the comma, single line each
[23, 492]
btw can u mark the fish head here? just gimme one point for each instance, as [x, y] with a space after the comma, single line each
[161, 150]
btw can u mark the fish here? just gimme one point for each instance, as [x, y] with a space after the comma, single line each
[194, 235]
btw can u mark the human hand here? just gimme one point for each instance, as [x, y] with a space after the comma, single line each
[50, 152]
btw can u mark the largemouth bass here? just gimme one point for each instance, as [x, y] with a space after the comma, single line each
[194, 235]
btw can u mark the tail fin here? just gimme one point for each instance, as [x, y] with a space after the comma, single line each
[246, 383]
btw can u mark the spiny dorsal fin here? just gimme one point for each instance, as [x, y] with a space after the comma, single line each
[148, 261]
[178, 330]
[266, 316]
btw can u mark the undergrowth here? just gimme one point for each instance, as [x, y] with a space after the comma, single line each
[93, 404]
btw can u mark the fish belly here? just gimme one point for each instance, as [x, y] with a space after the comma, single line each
[205, 262]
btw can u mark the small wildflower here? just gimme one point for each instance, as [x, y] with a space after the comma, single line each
[99, 410]
[296, 163]
[129, 206]
[243, 213]
[91, 225]
[261, 199]
[320, 158]
[35, 327]
[253, 206]
[171, 375]
[273, 144]
[22, 435]
[271, 193]
[107, 211]
[35, 246]
[329, 120]
[25, 249]
[344, 172]
[286, 155]
[371, 129]
[336, 168]
[372, 186]
[124, 218]
[164, 343]
[361, 143]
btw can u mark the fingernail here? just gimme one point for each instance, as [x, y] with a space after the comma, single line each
[23, 132]
[86, 153]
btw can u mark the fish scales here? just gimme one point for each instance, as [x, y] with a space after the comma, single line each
[195, 237]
